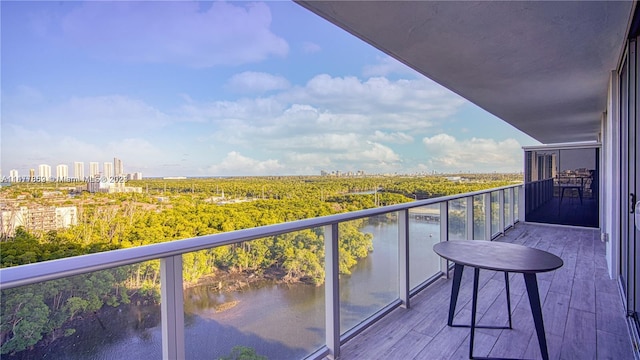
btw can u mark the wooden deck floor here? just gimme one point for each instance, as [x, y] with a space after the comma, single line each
[582, 309]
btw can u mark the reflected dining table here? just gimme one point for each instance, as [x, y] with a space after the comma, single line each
[503, 257]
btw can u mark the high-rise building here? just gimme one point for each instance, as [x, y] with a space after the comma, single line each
[94, 170]
[107, 170]
[62, 172]
[13, 175]
[32, 174]
[118, 167]
[44, 172]
[78, 170]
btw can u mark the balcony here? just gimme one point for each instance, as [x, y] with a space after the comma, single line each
[399, 311]
[583, 313]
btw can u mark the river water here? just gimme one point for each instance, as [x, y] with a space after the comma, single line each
[279, 321]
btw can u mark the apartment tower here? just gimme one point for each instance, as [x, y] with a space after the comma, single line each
[118, 167]
[44, 171]
[94, 170]
[78, 170]
[62, 172]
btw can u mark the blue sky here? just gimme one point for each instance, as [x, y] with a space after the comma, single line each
[223, 89]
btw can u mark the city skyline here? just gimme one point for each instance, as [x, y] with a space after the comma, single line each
[241, 89]
[109, 169]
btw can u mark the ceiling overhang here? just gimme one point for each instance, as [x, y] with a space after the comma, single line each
[541, 66]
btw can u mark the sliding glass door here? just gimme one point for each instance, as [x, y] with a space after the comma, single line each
[629, 180]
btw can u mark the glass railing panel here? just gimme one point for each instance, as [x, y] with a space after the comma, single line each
[369, 283]
[424, 232]
[458, 219]
[479, 218]
[495, 213]
[108, 314]
[507, 207]
[264, 296]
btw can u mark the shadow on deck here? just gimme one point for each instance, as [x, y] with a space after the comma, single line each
[568, 211]
[582, 308]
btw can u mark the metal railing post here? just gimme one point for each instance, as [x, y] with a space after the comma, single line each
[512, 205]
[487, 216]
[501, 211]
[403, 257]
[444, 234]
[172, 307]
[521, 203]
[332, 289]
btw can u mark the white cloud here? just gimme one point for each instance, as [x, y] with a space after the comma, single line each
[395, 137]
[329, 106]
[174, 32]
[399, 105]
[252, 82]
[308, 160]
[327, 142]
[448, 154]
[386, 66]
[380, 153]
[236, 164]
[439, 140]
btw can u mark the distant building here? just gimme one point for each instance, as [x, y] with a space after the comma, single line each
[107, 170]
[135, 176]
[44, 172]
[78, 170]
[32, 174]
[115, 185]
[37, 219]
[118, 167]
[94, 169]
[62, 172]
[13, 175]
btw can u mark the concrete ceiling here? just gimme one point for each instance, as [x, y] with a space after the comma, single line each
[541, 66]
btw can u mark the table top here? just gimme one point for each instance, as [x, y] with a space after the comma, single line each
[499, 256]
[570, 185]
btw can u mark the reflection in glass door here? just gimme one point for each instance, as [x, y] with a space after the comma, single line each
[629, 181]
[561, 184]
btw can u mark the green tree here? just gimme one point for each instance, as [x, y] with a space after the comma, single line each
[243, 353]
[24, 319]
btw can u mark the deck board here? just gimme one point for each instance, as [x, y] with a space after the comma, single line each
[582, 309]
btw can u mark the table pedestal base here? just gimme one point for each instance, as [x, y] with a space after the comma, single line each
[534, 300]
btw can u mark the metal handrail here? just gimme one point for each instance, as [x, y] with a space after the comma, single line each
[55, 269]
